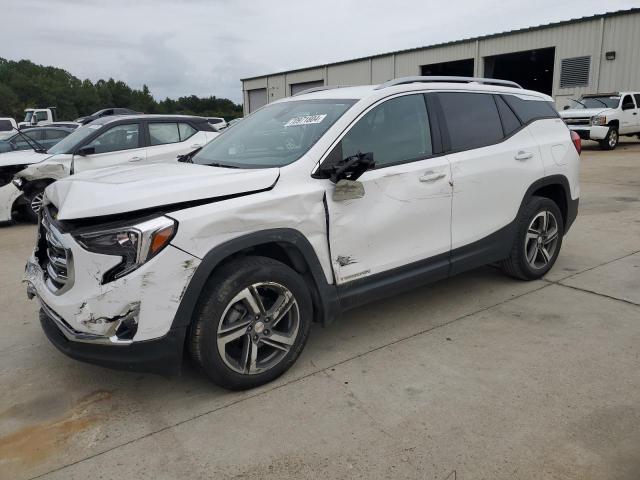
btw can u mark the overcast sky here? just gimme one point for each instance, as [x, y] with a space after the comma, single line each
[204, 47]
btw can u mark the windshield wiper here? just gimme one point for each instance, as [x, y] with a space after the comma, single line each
[578, 101]
[222, 165]
[598, 100]
[38, 148]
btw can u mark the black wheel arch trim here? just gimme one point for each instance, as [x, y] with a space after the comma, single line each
[326, 299]
[551, 180]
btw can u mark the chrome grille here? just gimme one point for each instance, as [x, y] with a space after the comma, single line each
[576, 121]
[55, 258]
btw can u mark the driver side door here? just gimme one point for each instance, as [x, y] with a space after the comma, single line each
[117, 145]
[629, 115]
[404, 218]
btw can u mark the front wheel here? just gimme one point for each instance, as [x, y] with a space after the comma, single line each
[610, 142]
[538, 240]
[251, 323]
[33, 205]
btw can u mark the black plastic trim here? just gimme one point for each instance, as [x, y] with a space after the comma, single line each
[162, 355]
[285, 236]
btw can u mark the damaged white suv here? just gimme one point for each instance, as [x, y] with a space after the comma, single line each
[312, 205]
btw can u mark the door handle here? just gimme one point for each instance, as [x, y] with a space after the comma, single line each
[135, 159]
[432, 177]
[522, 155]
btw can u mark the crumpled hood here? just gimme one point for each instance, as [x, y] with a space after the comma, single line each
[22, 157]
[585, 112]
[116, 190]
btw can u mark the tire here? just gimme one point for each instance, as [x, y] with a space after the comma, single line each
[610, 142]
[228, 308]
[535, 248]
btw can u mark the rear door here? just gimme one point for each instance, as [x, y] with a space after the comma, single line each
[120, 144]
[404, 216]
[494, 160]
[169, 139]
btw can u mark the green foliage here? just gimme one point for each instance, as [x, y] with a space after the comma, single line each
[23, 84]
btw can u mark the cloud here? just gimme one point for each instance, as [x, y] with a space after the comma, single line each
[204, 47]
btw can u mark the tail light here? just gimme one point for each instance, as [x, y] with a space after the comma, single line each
[577, 142]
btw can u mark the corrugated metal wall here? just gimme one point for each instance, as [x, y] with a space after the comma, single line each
[619, 33]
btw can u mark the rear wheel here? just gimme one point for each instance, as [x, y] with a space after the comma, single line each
[610, 142]
[251, 324]
[538, 240]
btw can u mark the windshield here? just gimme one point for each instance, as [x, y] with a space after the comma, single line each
[607, 101]
[274, 136]
[28, 116]
[69, 143]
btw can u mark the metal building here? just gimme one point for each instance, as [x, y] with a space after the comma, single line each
[593, 54]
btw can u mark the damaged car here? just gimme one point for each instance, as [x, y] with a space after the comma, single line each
[105, 142]
[312, 205]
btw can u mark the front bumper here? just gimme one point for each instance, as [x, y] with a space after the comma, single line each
[590, 132]
[162, 355]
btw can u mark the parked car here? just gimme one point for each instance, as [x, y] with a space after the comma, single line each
[38, 116]
[603, 117]
[218, 122]
[107, 112]
[33, 138]
[7, 124]
[108, 141]
[234, 256]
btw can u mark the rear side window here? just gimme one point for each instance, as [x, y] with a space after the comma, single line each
[163, 133]
[5, 126]
[637, 97]
[396, 131]
[55, 134]
[510, 122]
[186, 131]
[471, 118]
[530, 110]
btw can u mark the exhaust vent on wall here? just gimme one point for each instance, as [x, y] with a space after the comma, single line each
[574, 72]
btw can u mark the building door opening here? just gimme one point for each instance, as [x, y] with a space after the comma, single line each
[458, 68]
[533, 69]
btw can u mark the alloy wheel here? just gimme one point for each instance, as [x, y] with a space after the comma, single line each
[258, 328]
[613, 138]
[36, 203]
[541, 240]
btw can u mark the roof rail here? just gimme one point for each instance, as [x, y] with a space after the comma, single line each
[434, 79]
[319, 89]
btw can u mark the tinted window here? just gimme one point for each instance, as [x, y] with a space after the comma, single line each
[510, 122]
[5, 125]
[395, 131]
[120, 137]
[213, 121]
[41, 116]
[530, 110]
[637, 97]
[186, 131]
[471, 118]
[627, 101]
[55, 134]
[163, 133]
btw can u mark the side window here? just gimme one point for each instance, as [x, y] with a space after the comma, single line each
[41, 116]
[54, 134]
[510, 122]
[637, 97]
[186, 131]
[34, 134]
[163, 133]
[529, 110]
[471, 118]
[120, 137]
[627, 103]
[396, 131]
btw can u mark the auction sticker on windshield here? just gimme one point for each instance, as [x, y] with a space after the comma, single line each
[305, 120]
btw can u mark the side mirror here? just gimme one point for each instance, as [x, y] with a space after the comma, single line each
[84, 151]
[628, 106]
[566, 107]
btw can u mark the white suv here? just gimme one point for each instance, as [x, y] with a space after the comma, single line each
[105, 142]
[603, 117]
[312, 205]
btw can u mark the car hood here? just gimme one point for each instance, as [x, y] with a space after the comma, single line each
[22, 157]
[117, 190]
[584, 112]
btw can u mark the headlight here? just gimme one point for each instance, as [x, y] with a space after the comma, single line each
[136, 244]
[17, 182]
[598, 120]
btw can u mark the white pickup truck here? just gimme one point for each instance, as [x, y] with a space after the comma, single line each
[38, 116]
[603, 117]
